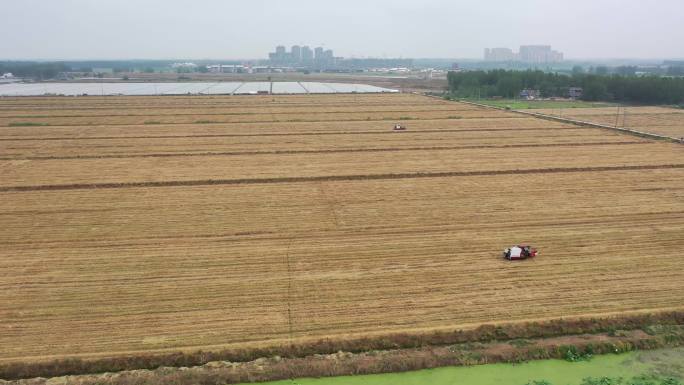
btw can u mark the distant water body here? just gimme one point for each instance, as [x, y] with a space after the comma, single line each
[185, 88]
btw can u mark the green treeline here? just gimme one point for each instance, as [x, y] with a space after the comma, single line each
[39, 70]
[508, 84]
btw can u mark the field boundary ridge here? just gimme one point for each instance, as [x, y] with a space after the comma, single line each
[485, 333]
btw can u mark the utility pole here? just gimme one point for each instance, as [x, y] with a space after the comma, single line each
[617, 116]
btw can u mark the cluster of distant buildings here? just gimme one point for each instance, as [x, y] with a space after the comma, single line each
[302, 59]
[302, 56]
[320, 59]
[533, 54]
[228, 68]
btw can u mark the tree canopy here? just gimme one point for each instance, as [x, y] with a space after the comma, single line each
[622, 88]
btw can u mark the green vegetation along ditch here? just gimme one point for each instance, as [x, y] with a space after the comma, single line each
[657, 367]
[519, 104]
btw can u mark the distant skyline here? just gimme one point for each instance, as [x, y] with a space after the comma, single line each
[215, 29]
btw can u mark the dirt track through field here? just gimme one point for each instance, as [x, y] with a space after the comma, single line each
[120, 236]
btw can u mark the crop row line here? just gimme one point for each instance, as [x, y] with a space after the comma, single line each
[286, 121]
[432, 131]
[331, 178]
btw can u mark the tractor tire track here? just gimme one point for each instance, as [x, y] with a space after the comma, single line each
[333, 151]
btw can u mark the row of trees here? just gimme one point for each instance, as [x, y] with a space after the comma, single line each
[50, 70]
[36, 70]
[605, 70]
[671, 70]
[631, 89]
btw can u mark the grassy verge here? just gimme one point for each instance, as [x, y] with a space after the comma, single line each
[516, 104]
[570, 352]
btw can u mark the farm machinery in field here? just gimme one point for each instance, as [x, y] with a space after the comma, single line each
[520, 252]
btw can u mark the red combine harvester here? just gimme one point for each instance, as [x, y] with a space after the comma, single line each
[520, 252]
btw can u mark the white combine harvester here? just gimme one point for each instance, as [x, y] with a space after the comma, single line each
[520, 252]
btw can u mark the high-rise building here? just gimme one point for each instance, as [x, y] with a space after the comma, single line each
[307, 54]
[318, 56]
[533, 54]
[539, 54]
[296, 54]
[280, 55]
[499, 54]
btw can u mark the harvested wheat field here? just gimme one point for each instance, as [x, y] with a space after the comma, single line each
[149, 224]
[655, 120]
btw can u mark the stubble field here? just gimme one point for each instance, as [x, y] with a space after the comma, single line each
[141, 224]
[655, 120]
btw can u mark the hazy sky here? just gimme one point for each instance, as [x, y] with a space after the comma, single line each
[226, 29]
